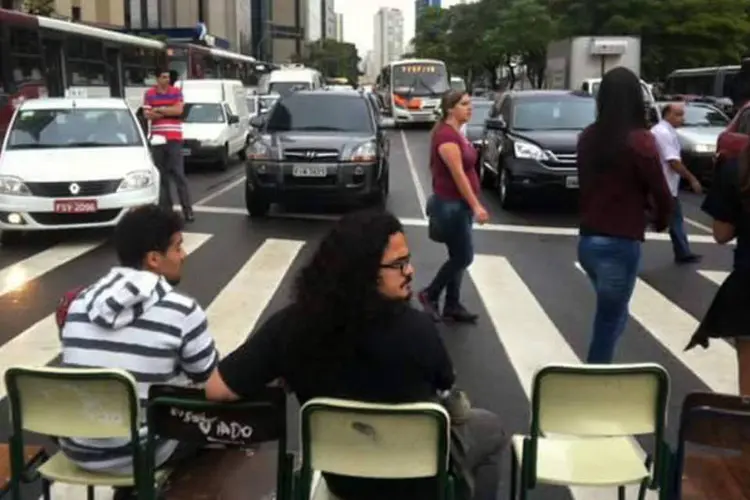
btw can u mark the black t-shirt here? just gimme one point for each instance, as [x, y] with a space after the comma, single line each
[724, 203]
[399, 360]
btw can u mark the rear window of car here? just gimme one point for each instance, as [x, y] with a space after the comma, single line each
[321, 112]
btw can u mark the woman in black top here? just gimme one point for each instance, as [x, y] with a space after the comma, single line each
[728, 202]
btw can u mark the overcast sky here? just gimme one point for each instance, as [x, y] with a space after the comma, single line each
[359, 18]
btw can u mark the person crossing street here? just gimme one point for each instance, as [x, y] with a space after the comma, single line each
[163, 107]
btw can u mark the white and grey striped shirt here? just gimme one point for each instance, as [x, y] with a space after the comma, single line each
[135, 321]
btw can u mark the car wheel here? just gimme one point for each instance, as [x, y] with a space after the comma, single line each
[506, 190]
[9, 238]
[257, 205]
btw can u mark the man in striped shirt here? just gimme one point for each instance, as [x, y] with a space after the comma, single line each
[133, 319]
[163, 105]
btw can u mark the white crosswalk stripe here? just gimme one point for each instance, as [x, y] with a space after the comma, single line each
[525, 331]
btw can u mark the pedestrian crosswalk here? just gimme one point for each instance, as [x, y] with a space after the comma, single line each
[518, 327]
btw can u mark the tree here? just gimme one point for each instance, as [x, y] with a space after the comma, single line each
[333, 59]
[39, 7]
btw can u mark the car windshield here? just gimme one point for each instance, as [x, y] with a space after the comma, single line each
[203, 113]
[554, 113]
[320, 112]
[704, 116]
[284, 88]
[73, 128]
[479, 112]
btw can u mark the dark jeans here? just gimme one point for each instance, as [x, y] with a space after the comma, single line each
[612, 266]
[171, 165]
[677, 234]
[455, 220]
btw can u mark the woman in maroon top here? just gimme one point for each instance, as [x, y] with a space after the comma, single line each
[620, 177]
[453, 206]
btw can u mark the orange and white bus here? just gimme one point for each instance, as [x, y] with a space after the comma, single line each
[411, 89]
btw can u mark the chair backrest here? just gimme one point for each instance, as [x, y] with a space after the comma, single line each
[371, 440]
[184, 414]
[73, 402]
[719, 421]
[600, 400]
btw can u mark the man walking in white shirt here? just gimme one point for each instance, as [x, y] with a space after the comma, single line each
[665, 133]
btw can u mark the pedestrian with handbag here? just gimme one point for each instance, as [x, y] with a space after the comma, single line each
[452, 208]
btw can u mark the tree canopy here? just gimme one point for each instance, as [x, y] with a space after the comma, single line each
[332, 58]
[483, 36]
[39, 7]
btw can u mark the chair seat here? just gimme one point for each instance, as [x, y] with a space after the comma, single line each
[30, 454]
[599, 461]
[60, 468]
[321, 491]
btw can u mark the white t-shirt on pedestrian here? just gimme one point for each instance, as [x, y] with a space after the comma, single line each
[669, 150]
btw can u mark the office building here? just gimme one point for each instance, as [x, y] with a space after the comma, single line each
[339, 27]
[389, 35]
[314, 20]
[104, 13]
[329, 19]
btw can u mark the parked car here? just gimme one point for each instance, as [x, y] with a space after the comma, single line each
[318, 144]
[73, 163]
[530, 144]
[734, 138]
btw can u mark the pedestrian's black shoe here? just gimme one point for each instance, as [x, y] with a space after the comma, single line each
[689, 259]
[189, 216]
[429, 305]
[459, 314]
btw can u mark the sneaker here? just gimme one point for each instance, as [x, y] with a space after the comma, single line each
[459, 314]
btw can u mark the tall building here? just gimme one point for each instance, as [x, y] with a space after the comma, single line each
[339, 27]
[329, 19]
[389, 36]
[314, 20]
[419, 5]
[104, 13]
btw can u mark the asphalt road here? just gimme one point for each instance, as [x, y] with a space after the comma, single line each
[536, 306]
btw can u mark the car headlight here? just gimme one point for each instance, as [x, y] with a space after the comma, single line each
[705, 148]
[258, 150]
[13, 186]
[529, 151]
[137, 180]
[367, 152]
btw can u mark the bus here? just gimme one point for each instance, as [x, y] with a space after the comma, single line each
[716, 81]
[42, 56]
[410, 89]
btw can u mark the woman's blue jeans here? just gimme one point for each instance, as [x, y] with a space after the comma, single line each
[455, 219]
[612, 266]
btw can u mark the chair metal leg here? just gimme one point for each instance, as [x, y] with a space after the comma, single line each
[90, 493]
[513, 477]
[46, 486]
[621, 493]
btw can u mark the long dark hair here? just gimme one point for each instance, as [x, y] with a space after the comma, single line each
[449, 101]
[621, 109]
[336, 294]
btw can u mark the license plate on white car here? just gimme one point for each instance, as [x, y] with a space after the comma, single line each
[76, 206]
[571, 182]
[309, 171]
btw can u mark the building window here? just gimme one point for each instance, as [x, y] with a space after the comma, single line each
[75, 13]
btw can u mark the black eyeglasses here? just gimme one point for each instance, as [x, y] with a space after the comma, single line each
[401, 264]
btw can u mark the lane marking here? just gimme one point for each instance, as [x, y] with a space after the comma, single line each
[672, 327]
[234, 312]
[414, 176]
[698, 225]
[19, 274]
[502, 228]
[39, 344]
[221, 191]
[528, 336]
[717, 277]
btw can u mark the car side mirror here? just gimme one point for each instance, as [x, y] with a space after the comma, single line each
[387, 123]
[497, 123]
[233, 119]
[158, 140]
[258, 121]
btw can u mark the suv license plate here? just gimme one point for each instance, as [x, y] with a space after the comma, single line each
[309, 172]
[186, 152]
[75, 206]
[571, 182]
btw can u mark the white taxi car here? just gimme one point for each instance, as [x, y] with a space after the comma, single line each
[73, 163]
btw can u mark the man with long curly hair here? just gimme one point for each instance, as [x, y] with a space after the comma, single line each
[350, 332]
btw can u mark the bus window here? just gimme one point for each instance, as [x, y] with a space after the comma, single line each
[25, 58]
[85, 62]
[728, 84]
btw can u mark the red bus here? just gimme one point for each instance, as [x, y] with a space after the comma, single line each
[43, 56]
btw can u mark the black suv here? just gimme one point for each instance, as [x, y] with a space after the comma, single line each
[319, 144]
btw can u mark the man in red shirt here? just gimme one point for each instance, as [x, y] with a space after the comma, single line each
[163, 107]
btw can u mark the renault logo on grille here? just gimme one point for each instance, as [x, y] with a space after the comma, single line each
[310, 155]
[74, 188]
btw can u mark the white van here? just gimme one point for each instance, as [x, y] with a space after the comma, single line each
[216, 122]
[282, 81]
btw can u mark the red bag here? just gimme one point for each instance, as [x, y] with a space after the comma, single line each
[61, 313]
